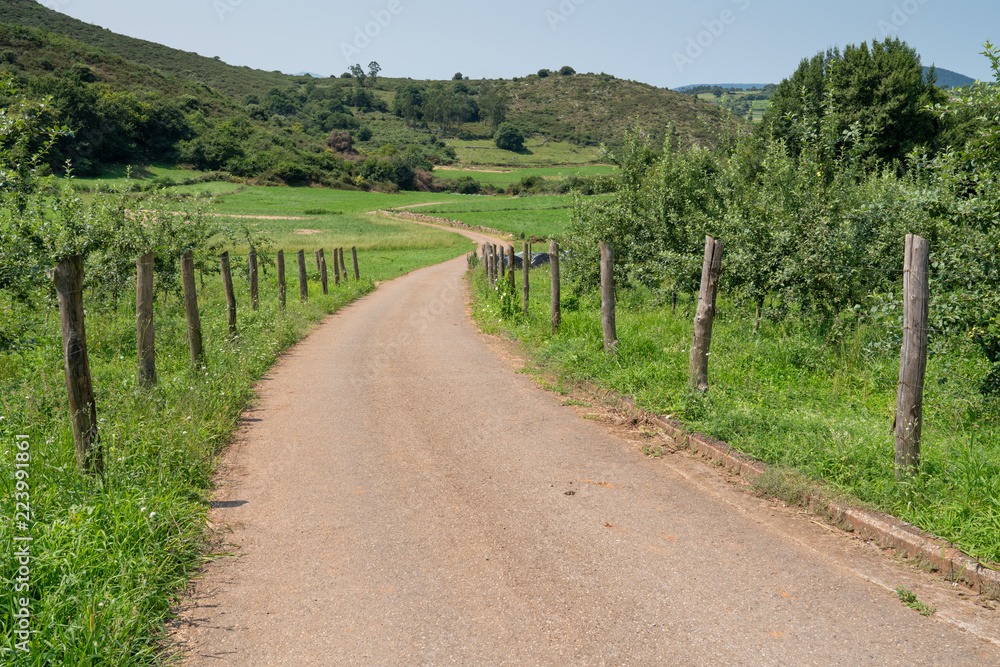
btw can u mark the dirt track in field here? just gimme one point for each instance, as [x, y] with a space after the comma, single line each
[400, 495]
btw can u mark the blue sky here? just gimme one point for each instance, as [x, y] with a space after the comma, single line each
[664, 43]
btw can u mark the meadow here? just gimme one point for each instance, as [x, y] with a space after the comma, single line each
[543, 216]
[508, 176]
[536, 153]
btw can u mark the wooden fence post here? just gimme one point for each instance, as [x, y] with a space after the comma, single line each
[913, 356]
[503, 264]
[336, 268]
[554, 270]
[254, 287]
[701, 346]
[608, 298]
[227, 281]
[354, 258]
[282, 285]
[510, 260]
[318, 264]
[343, 264]
[526, 268]
[323, 278]
[145, 333]
[303, 278]
[191, 308]
[496, 264]
[68, 279]
[489, 263]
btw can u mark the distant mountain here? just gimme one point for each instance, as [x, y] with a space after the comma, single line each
[948, 79]
[737, 86]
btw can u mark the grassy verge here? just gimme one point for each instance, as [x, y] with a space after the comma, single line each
[815, 401]
[108, 554]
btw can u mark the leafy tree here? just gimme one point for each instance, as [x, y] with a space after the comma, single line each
[494, 105]
[509, 138]
[373, 69]
[408, 102]
[458, 77]
[358, 73]
[880, 91]
[542, 73]
[566, 70]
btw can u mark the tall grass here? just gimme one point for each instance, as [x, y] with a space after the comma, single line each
[795, 394]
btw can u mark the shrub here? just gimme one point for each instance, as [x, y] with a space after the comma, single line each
[566, 70]
[340, 141]
[509, 138]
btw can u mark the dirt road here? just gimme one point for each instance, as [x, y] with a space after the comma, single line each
[401, 496]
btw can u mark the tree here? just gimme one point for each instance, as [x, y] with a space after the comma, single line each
[359, 74]
[566, 70]
[373, 69]
[542, 73]
[881, 91]
[458, 77]
[408, 102]
[493, 105]
[509, 138]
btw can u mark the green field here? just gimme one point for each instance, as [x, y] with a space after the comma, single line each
[508, 176]
[536, 153]
[543, 216]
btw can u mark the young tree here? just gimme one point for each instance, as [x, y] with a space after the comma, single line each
[373, 69]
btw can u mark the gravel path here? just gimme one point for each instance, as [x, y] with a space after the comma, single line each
[400, 495]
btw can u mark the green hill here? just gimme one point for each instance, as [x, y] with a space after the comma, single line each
[129, 100]
[229, 79]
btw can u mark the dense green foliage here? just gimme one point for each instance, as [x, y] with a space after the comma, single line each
[880, 92]
[509, 138]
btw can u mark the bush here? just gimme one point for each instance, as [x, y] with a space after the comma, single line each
[340, 141]
[509, 138]
[542, 73]
[566, 70]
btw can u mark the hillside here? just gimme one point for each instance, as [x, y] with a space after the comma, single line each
[229, 79]
[589, 109]
[129, 101]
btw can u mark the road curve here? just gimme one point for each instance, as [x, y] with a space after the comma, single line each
[400, 495]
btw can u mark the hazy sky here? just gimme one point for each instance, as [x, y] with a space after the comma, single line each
[667, 43]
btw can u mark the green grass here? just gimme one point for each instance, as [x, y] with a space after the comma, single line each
[797, 397]
[109, 554]
[543, 216]
[536, 153]
[507, 177]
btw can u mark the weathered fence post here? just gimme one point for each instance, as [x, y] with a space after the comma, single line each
[145, 333]
[510, 258]
[354, 258]
[503, 264]
[303, 277]
[673, 304]
[608, 298]
[323, 278]
[490, 263]
[191, 307]
[343, 264]
[554, 270]
[254, 286]
[702, 345]
[282, 285]
[318, 264]
[496, 264]
[68, 279]
[526, 267]
[913, 356]
[227, 281]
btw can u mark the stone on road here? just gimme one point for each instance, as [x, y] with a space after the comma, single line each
[400, 496]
